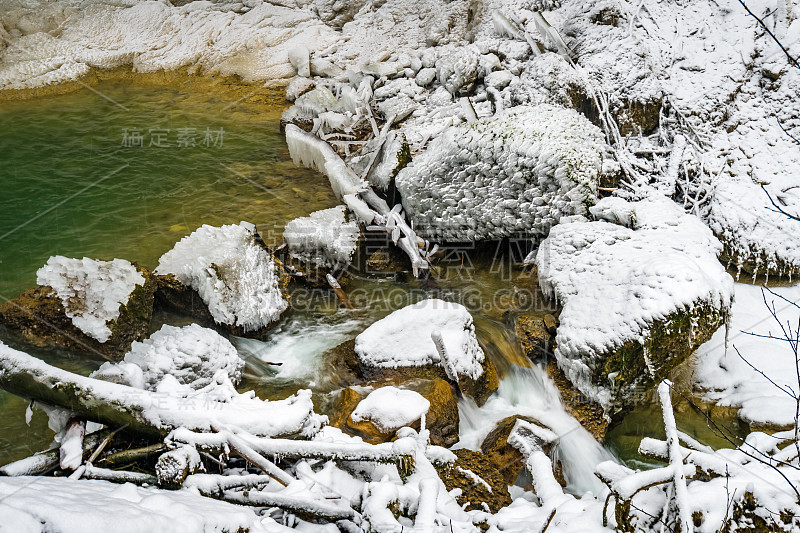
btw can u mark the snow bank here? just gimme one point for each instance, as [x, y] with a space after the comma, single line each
[390, 408]
[91, 291]
[234, 275]
[43, 504]
[404, 338]
[324, 237]
[519, 171]
[192, 355]
[728, 380]
[615, 283]
[251, 41]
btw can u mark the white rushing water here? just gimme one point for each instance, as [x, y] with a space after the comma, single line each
[298, 344]
[528, 391]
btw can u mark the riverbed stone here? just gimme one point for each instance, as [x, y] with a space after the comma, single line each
[536, 335]
[507, 459]
[482, 487]
[39, 315]
[587, 412]
[441, 420]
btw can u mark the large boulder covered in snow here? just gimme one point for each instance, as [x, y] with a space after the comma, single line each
[85, 305]
[403, 344]
[192, 355]
[229, 270]
[515, 173]
[636, 300]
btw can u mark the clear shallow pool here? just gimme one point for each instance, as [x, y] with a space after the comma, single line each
[127, 169]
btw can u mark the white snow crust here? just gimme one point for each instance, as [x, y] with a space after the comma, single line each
[404, 338]
[519, 171]
[390, 408]
[192, 355]
[726, 379]
[91, 291]
[56, 42]
[45, 504]
[324, 237]
[234, 275]
[615, 282]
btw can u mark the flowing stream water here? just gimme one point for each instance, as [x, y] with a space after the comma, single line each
[133, 165]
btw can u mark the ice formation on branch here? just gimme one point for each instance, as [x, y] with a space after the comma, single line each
[191, 355]
[324, 237]
[390, 408]
[404, 338]
[616, 283]
[232, 272]
[519, 171]
[91, 291]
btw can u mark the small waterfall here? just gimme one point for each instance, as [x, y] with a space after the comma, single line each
[528, 391]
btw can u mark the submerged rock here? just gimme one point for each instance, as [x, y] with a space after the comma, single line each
[662, 290]
[517, 172]
[85, 305]
[232, 272]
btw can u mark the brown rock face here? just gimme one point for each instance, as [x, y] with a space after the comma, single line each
[507, 459]
[39, 316]
[482, 486]
[588, 413]
[535, 335]
[344, 357]
[441, 420]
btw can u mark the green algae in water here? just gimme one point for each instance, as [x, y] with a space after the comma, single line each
[125, 170]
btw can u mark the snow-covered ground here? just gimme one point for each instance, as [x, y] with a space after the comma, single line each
[757, 381]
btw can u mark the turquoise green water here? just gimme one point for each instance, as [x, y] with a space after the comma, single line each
[76, 183]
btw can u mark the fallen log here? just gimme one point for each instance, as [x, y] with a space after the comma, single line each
[146, 412]
[70, 454]
[299, 506]
[133, 455]
[47, 460]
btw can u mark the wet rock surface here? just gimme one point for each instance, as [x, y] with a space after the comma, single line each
[482, 486]
[39, 315]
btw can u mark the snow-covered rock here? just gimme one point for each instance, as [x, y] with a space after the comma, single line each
[91, 291]
[192, 355]
[85, 304]
[233, 274]
[325, 237]
[458, 70]
[635, 301]
[390, 408]
[404, 338]
[517, 172]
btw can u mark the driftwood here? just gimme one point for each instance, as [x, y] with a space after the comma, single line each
[299, 506]
[116, 476]
[48, 460]
[132, 455]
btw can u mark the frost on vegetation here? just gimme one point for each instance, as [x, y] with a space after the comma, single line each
[404, 338]
[458, 70]
[191, 355]
[233, 274]
[324, 237]
[615, 282]
[91, 291]
[251, 41]
[519, 171]
[390, 408]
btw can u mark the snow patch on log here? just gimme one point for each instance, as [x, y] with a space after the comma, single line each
[91, 291]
